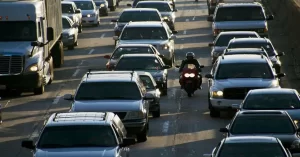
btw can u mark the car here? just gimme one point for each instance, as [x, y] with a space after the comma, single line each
[232, 76]
[70, 33]
[134, 15]
[102, 6]
[135, 2]
[70, 9]
[129, 49]
[152, 87]
[273, 99]
[157, 34]
[81, 134]
[146, 62]
[250, 146]
[259, 43]
[221, 42]
[120, 92]
[265, 123]
[246, 51]
[240, 17]
[90, 14]
[165, 9]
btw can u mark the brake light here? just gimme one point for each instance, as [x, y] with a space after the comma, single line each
[216, 31]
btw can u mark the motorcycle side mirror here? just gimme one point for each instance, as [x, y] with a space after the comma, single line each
[201, 66]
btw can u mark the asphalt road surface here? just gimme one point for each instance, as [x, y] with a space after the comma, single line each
[184, 128]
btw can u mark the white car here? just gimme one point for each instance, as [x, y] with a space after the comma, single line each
[70, 33]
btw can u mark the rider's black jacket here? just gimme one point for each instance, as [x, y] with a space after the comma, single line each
[190, 61]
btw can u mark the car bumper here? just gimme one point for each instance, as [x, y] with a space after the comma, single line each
[89, 20]
[134, 127]
[224, 104]
[25, 81]
[68, 41]
[154, 105]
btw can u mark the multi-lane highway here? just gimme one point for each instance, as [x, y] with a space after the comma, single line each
[185, 127]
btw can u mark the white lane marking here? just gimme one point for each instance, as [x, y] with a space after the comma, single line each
[80, 64]
[181, 47]
[56, 100]
[91, 51]
[184, 32]
[187, 20]
[165, 127]
[103, 35]
[6, 104]
[76, 72]
[194, 18]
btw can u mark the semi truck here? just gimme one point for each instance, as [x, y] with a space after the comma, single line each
[30, 44]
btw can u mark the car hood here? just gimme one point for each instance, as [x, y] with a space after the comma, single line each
[85, 12]
[240, 24]
[77, 152]
[144, 41]
[106, 105]
[245, 82]
[286, 140]
[15, 48]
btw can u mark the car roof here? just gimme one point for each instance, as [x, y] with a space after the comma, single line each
[139, 9]
[110, 76]
[258, 50]
[80, 118]
[273, 91]
[67, 2]
[166, 2]
[241, 4]
[262, 113]
[249, 40]
[237, 32]
[251, 139]
[138, 55]
[134, 45]
[145, 24]
[243, 58]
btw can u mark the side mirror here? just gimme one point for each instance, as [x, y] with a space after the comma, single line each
[166, 67]
[270, 17]
[128, 5]
[175, 10]
[209, 19]
[174, 32]
[28, 144]
[106, 56]
[209, 76]
[50, 34]
[207, 155]
[127, 142]
[68, 97]
[225, 130]
[201, 66]
[77, 11]
[211, 44]
[279, 75]
[280, 54]
[173, 37]
[235, 106]
[115, 37]
[36, 43]
[114, 20]
[149, 96]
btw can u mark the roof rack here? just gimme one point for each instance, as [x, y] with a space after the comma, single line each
[80, 116]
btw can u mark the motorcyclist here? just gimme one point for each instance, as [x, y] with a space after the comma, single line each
[190, 59]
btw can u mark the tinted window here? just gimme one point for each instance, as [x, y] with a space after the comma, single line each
[254, 53]
[271, 101]
[138, 63]
[244, 70]
[135, 16]
[131, 33]
[108, 90]
[147, 82]
[240, 14]
[262, 125]
[84, 5]
[67, 8]
[267, 46]
[162, 7]
[18, 31]
[223, 40]
[131, 50]
[256, 150]
[66, 23]
[77, 136]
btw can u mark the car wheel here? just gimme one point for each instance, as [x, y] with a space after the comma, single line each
[164, 91]
[80, 28]
[212, 111]
[40, 90]
[142, 137]
[71, 47]
[156, 114]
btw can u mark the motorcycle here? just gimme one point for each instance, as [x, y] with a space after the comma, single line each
[190, 79]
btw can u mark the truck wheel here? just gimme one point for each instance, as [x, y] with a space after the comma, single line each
[39, 90]
[51, 70]
[57, 54]
[142, 137]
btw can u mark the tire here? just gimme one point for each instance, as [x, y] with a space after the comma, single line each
[39, 90]
[142, 137]
[212, 111]
[80, 28]
[71, 47]
[16, 92]
[156, 114]
[190, 95]
[51, 71]
[165, 89]
[57, 54]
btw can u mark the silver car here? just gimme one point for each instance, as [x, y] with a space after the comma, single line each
[70, 33]
[157, 34]
[222, 40]
[240, 17]
[102, 6]
[70, 9]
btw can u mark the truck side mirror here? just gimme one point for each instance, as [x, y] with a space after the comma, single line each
[50, 34]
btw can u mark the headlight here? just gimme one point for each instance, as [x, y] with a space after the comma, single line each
[135, 115]
[296, 122]
[102, 5]
[217, 94]
[189, 75]
[295, 144]
[90, 15]
[165, 46]
[33, 68]
[275, 83]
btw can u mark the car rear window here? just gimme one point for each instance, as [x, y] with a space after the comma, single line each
[223, 40]
[136, 16]
[246, 13]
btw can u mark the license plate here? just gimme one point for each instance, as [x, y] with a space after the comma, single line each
[2, 87]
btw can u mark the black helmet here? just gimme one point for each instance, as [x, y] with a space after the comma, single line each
[190, 55]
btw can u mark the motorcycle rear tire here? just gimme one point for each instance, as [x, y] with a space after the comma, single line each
[189, 89]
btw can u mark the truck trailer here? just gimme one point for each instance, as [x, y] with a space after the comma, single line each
[30, 44]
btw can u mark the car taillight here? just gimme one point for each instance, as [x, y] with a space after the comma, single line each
[187, 75]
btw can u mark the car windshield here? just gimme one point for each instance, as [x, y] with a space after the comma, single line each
[131, 50]
[136, 33]
[66, 23]
[18, 31]
[271, 101]
[223, 40]
[136, 1]
[147, 82]
[77, 136]
[162, 7]
[256, 150]
[262, 125]
[136, 16]
[138, 63]
[244, 70]
[84, 5]
[239, 14]
[99, 2]
[267, 46]
[67, 8]
[108, 91]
